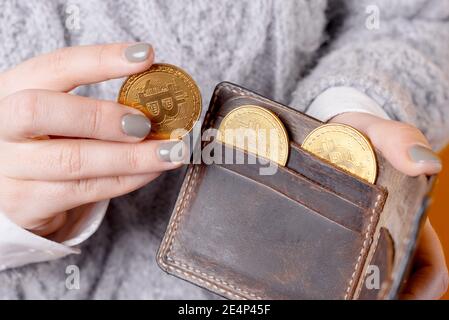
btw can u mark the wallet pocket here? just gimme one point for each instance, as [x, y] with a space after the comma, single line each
[327, 175]
[279, 237]
[300, 189]
[347, 185]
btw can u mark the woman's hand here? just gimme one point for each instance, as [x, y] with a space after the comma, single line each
[40, 179]
[408, 151]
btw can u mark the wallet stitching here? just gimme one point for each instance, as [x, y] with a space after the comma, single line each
[374, 246]
[364, 245]
[211, 277]
[185, 197]
[207, 283]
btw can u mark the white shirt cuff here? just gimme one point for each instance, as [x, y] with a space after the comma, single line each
[338, 100]
[19, 247]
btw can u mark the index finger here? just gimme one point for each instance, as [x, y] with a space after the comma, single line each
[67, 68]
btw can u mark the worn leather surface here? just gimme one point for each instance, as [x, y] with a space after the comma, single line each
[381, 265]
[309, 231]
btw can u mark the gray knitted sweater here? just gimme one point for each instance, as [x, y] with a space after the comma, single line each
[288, 50]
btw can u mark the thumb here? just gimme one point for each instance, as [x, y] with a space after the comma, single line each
[403, 145]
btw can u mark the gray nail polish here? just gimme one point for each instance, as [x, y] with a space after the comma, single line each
[172, 151]
[138, 52]
[422, 154]
[136, 125]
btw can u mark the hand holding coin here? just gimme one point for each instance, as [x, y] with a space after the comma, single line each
[100, 153]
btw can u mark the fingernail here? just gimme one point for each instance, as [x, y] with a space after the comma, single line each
[173, 151]
[136, 125]
[421, 154]
[138, 52]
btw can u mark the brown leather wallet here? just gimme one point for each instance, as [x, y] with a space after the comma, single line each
[310, 231]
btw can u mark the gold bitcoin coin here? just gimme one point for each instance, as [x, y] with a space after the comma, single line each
[255, 130]
[167, 95]
[345, 147]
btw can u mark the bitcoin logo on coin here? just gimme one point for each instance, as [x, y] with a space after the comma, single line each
[167, 95]
[345, 147]
[255, 130]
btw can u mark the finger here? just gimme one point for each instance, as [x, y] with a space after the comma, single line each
[67, 68]
[430, 280]
[46, 200]
[404, 146]
[32, 113]
[65, 159]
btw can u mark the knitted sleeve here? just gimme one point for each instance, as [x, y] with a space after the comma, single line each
[396, 52]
